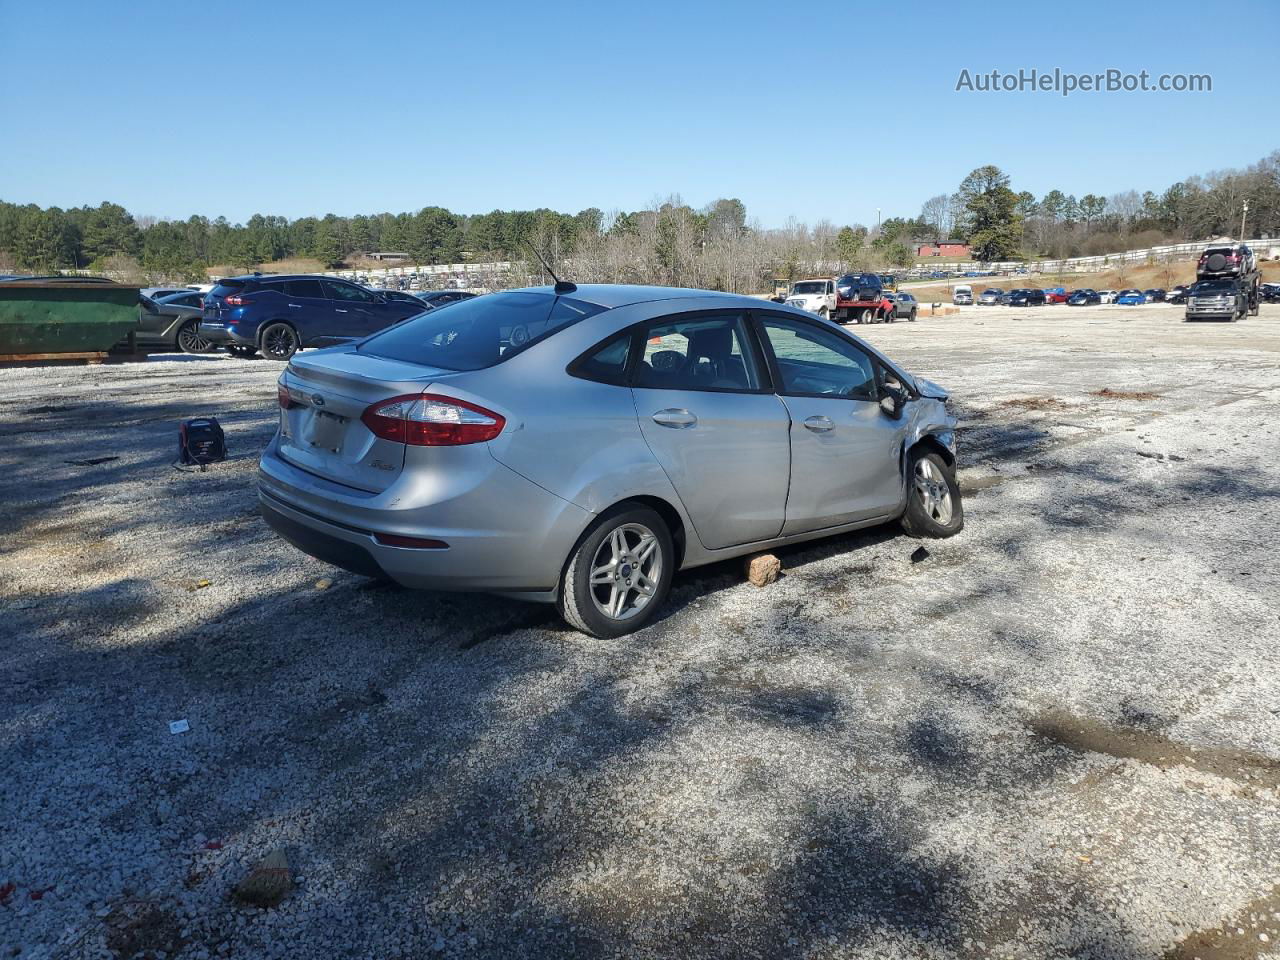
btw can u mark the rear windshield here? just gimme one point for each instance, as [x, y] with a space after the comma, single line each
[224, 287]
[479, 332]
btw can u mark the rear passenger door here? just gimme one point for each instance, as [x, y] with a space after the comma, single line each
[308, 309]
[714, 425]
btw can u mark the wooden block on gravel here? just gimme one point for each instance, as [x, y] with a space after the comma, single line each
[763, 569]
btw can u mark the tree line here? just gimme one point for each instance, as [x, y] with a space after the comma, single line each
[714, 246]
[1000, 224]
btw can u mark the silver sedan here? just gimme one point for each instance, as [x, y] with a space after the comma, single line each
[580, 445]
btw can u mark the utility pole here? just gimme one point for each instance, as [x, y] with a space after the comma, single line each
[1244, 213]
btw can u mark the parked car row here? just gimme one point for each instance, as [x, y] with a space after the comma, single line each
[1085, 296]
[280, 315]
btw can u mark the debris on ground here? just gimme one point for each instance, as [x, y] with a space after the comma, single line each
[179, 726]
[1110, 394]
[763, 569]
[267, 883]
[92, 462]
[324, 583]
[194, 585]
[919, 554]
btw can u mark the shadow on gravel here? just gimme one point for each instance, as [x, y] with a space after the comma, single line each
[465, 774]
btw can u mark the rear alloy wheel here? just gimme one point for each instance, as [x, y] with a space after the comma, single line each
[933, 497]
[189, 339]
[619, 575]
[279, 341]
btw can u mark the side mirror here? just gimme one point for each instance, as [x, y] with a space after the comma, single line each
[893, 399]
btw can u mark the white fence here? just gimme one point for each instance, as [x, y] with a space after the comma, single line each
[1264, 247]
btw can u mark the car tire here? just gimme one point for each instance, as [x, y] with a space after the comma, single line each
[612, 553]
[242, 351]
[824, 314]
[912, 316]
[189, 340]
[933, 507]
[279, 342]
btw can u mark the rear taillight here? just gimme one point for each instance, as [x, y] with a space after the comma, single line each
[431, 420]
[285, 397]
[237, 300]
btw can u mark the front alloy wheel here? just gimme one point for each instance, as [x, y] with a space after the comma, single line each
[933, 497]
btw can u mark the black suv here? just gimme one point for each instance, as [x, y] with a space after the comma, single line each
[280, 315]
[1024, 298]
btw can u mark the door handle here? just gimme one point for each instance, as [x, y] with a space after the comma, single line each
[819, 424]
[674, 417]
[339, 310]
[295, 306]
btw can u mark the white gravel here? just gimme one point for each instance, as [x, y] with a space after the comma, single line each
[1055, 737]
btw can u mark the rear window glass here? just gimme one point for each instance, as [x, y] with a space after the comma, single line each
[224, 287]
[478, 332]
[304, 288]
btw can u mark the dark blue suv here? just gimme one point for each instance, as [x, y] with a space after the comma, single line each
[281, 315]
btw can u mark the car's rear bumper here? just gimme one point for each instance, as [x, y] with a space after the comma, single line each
[506, 536]
[224, 335]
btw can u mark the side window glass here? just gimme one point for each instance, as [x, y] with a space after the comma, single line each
[812, 361]
[608, 364]
[304, 288]
[699, 353]
[345, 291]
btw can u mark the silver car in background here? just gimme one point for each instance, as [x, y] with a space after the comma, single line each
[581, 444]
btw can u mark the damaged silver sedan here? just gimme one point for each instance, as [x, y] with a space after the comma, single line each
[580, 445]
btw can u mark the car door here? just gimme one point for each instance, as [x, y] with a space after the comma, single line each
[714, 425]
[353, 313]
[309, 309]
[845, 449]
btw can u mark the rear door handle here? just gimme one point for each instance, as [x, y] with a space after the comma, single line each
[674, 417]
[819, 424]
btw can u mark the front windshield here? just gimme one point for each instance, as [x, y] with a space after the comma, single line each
[815, 286]
[478, 332]
[1215, 286]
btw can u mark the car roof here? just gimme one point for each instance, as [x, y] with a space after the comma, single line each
[611, 295]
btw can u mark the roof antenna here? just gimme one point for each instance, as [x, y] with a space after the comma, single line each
[562, 286]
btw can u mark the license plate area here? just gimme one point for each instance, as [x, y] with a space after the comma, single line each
[326, 431]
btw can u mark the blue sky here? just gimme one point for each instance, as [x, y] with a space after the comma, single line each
[307, 108]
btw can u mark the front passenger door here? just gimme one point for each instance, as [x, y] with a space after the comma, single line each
[844, 448]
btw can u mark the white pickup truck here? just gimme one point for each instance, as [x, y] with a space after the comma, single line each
[816, 296]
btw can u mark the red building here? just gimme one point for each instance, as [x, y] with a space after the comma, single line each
[959, 251]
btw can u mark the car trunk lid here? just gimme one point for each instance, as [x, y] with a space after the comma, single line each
[321, 430]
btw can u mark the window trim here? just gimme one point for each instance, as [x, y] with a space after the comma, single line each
[758, 320]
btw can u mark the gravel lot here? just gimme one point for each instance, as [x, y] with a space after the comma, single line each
[1054, 737]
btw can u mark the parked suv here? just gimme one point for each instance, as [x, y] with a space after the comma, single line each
[280, 315]
[1233, 260]
[1025, 298]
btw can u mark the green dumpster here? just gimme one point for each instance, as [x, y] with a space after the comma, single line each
[50, 315]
